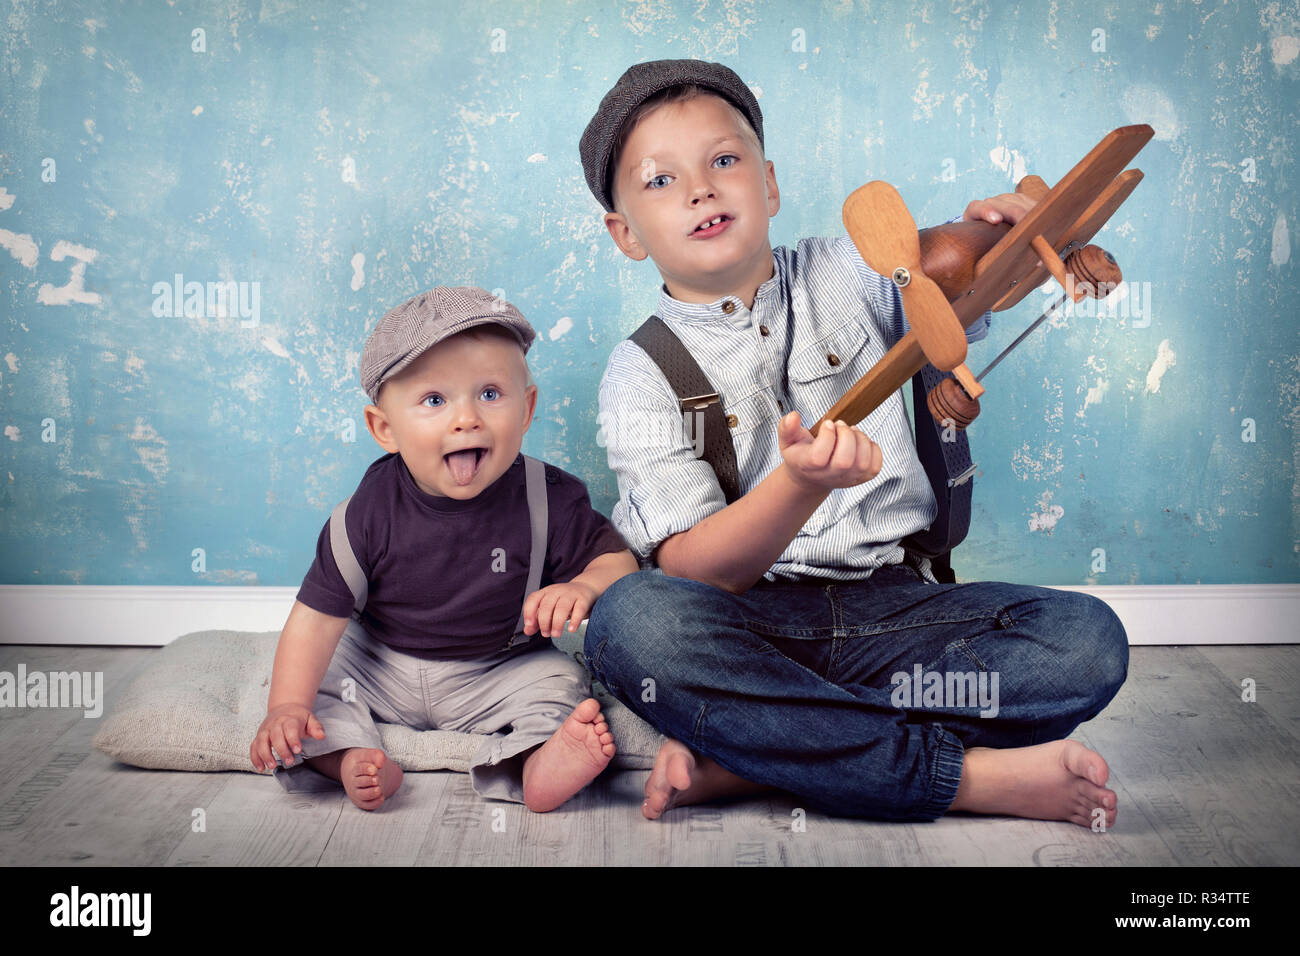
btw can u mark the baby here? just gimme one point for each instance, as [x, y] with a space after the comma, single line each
[438, 542]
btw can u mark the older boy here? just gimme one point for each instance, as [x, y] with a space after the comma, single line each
[440, 529]
[774, 626]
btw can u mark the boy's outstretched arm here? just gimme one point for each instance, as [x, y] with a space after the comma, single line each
[546, 609]
[302, 657]
[732, 548]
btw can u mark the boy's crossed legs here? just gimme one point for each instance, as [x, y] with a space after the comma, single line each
[557, 744]
[791, 685]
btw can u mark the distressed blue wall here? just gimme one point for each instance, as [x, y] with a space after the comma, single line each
[342, 157]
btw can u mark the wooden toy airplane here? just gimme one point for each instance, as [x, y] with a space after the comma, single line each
[950, 275]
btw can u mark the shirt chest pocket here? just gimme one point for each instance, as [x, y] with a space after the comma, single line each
[830, 364]
[820, 373]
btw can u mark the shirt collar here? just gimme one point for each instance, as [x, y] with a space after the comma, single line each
[728, 309]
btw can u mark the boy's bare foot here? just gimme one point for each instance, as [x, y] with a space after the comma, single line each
[1058, 780]
[368, 776]
[681, 777]
[573, 757]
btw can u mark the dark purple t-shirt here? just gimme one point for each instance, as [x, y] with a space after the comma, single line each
[448, 576]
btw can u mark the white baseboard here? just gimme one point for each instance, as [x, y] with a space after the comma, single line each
[1203, 613]
[153, 616]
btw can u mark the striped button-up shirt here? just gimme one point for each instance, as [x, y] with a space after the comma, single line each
[816, 327]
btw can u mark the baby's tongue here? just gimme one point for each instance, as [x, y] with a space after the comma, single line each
[463, 465]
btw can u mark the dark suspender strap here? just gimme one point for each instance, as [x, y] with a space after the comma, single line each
[949, 468]
[701, 407]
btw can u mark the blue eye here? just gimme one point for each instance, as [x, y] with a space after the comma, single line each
[435, 399]
[719, 162]
[491, 394]
[663, 179]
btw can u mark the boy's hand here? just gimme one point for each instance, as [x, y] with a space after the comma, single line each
[839, 457]
[283, 729]
[1007, 207]
[548, 608]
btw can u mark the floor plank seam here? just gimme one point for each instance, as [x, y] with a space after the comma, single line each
[330, 837]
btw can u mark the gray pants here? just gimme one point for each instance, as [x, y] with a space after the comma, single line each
[517, 697]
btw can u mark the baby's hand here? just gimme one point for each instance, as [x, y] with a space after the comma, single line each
[1007, 207]
[839, 457]
[283, 729]
[548, 608]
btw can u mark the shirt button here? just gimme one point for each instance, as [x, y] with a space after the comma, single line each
[728, 307]
[732, 421]
[833, 358]
[762, 330]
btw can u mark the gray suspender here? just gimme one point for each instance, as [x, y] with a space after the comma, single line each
[350, 567]
[346, 558]
[535, 474]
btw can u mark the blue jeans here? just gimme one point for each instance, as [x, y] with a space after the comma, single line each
[797, 684]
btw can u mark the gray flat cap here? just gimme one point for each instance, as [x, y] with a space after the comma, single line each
[636, 86]
[407, 331]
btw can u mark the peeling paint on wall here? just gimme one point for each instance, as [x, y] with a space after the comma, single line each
[1165, 359]
[1281, 251]
[1048, 514]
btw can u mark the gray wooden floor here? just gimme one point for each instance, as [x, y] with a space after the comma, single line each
[1202, 777]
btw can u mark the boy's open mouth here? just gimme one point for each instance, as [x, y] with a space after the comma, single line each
[711, 227]
[464, 464]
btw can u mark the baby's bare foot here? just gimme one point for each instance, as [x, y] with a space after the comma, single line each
[1058, 780]
[681, 777]
[573, 757]
[369, 777]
